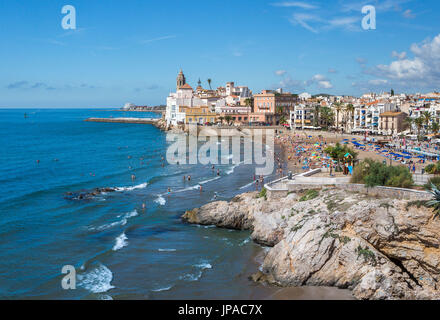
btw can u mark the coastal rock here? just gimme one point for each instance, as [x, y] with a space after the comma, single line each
[378, 248]
[87, 195]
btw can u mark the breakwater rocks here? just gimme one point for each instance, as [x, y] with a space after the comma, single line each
[379, 248]
[88, 195]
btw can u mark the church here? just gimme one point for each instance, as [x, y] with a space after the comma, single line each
[186, 98]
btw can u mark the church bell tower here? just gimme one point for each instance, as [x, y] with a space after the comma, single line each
[181, 81]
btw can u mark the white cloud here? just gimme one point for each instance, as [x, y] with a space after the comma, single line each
[280, 72]
[296, 4]
[408, 14]
[157, 39]
[304, 20]
[325, 84]
[378, 82]
[423, 70]
[398, 55]
[331, 70]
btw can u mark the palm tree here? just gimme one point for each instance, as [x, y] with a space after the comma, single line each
[228, 119]
[409, 122]
[419, 124]
[338, 108]
[327, 117]
[426, 116]
[221, 119]
[435, 128]
[209, 83]
[350, 110]
[316, 115]
[283, 120]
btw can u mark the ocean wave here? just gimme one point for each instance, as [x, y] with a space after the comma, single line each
[121, 222]
[195, 187]
[167, 250]
[121, 241]
[97, 280]
[198, 272]
[232, 169]
[244, 242]
[160, 200]
[209, 180]
[248, 185]
[139, 186]
[162, 289]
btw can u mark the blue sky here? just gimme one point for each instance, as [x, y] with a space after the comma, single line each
[132, 50]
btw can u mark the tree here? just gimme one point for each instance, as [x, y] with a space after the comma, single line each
[350, 111]
[221, 119]
[409, 122]
[375, 173]
[209, 83]
[419, 124]
[435, 128]
[392, 92]
[316, 115]
[279, 109]
[327, 117]
[338, 108]
[283, 120]
[339, 152]
[228, 119]
[426, 116]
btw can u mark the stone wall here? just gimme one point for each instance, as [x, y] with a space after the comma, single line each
[388, 192]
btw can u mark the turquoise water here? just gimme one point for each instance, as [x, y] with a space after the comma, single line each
[119, 250]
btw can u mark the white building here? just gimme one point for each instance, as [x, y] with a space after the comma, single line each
[185, 97]
[302, 117]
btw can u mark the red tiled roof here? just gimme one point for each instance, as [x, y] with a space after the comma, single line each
[186, 86]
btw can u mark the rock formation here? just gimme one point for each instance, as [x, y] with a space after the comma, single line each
[379, 248]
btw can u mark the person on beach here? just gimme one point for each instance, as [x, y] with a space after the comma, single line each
[200, 189]
[218, 172]
[144, 206]
[169, 191]
[133, 177]
[184, 178]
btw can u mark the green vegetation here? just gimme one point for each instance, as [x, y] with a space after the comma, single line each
[367, 254]
[432, 181]
[310, 194]
[263, 193]
[433, 168]
[374, 173]
[435, 202]
[338, 152]
[326, 117]
[417, 203]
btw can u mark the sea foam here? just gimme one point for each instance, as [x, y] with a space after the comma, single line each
[97, 280]
[121, 241]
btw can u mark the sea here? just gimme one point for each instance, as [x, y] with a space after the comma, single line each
[118, 248]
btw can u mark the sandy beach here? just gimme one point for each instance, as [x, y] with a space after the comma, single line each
[304, 150]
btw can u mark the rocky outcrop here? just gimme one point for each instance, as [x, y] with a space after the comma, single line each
[87, 195]
[379, 248]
